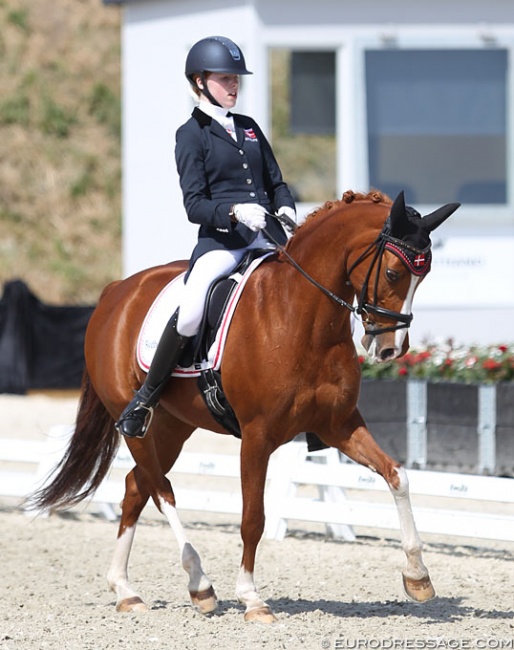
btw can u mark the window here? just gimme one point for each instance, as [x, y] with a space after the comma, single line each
[303, 118]
[437, 124]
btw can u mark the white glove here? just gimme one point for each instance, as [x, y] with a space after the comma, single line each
[287, 217]
[289, 212]
[251, 215]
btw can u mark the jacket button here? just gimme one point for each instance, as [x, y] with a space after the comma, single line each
[252, 194]
[248, 181]
[245, 165]
[241, 152]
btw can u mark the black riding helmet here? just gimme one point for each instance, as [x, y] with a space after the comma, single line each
[214, 54]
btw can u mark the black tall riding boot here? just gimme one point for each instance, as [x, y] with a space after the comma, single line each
[136, 417]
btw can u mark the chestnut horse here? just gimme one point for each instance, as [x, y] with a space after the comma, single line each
[289, 366]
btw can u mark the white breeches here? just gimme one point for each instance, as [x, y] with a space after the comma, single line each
[206, 269]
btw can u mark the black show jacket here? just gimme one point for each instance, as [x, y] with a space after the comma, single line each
[217, 171]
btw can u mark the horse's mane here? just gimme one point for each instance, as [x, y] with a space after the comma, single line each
[348, 197]
[374, 196]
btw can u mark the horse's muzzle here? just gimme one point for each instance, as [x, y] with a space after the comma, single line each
[385, 346]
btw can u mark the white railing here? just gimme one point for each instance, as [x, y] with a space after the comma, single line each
[336, 482]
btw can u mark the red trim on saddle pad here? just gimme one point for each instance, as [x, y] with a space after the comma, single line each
[164, 306]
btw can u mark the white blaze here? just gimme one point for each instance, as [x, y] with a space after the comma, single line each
[406, 309]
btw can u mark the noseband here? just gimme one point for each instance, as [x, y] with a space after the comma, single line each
[417, 261]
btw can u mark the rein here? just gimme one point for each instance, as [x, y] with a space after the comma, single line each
[308, 277]
[363, 308]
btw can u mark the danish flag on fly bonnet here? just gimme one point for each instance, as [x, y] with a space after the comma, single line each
[407, 233]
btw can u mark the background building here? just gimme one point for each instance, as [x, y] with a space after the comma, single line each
[398, 95]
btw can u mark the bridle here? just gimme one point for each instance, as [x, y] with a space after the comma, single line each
[364, 308]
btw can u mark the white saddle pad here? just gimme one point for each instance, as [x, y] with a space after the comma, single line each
[163, 308]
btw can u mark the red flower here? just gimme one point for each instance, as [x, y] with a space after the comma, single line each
[403, 371]
[491, 364]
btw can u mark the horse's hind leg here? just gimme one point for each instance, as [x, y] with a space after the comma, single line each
[361, 447]
[200, 587]
[154, 458]
[127, 600]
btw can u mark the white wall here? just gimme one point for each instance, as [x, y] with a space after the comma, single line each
[156, 101]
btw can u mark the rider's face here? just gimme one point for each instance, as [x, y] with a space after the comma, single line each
[224, 88]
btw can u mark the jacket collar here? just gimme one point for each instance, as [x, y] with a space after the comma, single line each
[205, 120]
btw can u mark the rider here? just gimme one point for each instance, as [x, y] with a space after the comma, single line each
[231, 183]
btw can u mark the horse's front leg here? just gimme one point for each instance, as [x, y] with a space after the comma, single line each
[416, 581]
[361, 447]
[254, 464]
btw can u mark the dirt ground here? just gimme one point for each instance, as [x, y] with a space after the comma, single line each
[326, 593]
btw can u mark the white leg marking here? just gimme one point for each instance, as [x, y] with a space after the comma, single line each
[411, 542]
[117, 576]
[191, 563]
[246, 591]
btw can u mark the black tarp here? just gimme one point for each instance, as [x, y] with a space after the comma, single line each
[41, 346]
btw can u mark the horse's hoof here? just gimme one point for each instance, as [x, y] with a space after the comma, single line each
[204, 601]
[419, 590]
[134, 604]
[260, 615]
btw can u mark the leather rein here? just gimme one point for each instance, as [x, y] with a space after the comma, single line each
[363, 307]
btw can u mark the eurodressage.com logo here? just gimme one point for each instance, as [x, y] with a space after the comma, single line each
[435, 643]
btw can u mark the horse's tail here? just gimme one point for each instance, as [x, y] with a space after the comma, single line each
[86, 460]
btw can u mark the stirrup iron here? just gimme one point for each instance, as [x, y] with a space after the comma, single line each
[148, 419]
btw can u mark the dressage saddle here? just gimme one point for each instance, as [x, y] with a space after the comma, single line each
[210, 381]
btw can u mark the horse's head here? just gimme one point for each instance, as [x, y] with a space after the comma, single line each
[399, 260]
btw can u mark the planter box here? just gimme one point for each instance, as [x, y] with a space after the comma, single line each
[505, 430]
[443, 429]
[383, 405]
[452, 425]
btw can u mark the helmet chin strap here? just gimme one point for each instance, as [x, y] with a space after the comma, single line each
[206, 92]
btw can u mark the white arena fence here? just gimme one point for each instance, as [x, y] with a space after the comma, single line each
[343, 491]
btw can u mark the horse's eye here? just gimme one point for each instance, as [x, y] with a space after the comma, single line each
[392, 275]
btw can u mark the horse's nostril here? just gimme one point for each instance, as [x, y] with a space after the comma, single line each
[387, 353]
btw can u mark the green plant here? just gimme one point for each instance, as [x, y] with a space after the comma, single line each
[19, 18]
[447, 362]
[86, 180]
[56, 120]
[9, 216]
[15, 110]
[105, 107]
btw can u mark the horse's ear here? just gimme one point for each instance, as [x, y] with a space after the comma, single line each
[436, 218]
[398, 216]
